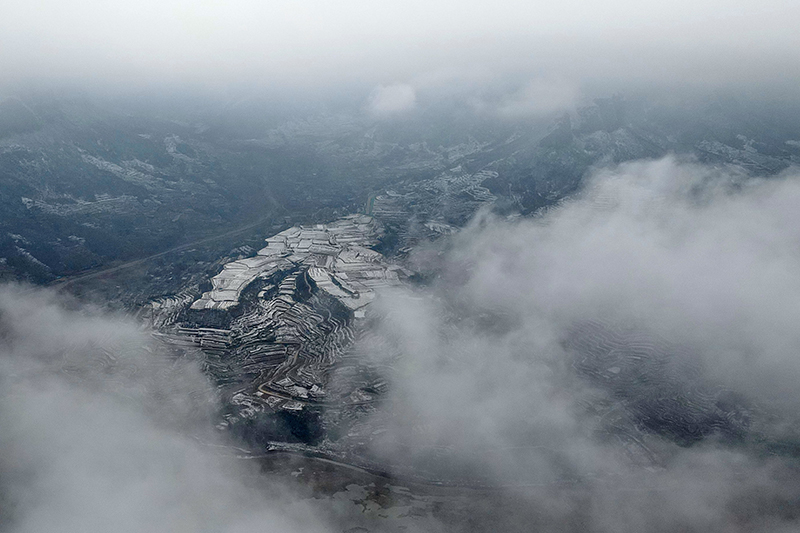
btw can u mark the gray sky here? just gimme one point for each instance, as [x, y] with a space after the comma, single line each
[318, 45]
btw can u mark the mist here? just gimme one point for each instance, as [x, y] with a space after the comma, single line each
[683, 277]
[499, 378]
[105, 431]
[624, 359]
[325, 50]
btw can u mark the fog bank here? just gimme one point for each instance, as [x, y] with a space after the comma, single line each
[325, 48]
[683, 277]
[104, 431]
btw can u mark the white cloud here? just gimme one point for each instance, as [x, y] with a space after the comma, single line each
[321, 44]
[683, 255]
[540, 97]
[389, 100]
[102, 431]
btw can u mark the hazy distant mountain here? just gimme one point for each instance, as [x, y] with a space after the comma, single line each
[84, 182]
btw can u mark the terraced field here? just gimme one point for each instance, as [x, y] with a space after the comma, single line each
[274, 325]
[658, 387]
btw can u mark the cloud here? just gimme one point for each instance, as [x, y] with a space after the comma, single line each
[539, 97]
[102, 431]
[636, 343]
[392, 99]
[536, 98]
[622, 362]
[321, 47]
[696, 254]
